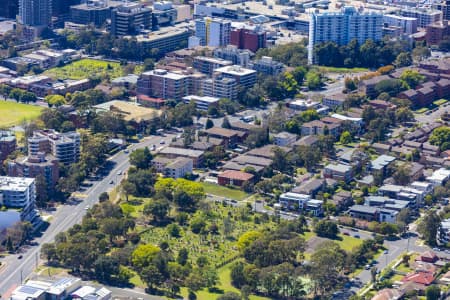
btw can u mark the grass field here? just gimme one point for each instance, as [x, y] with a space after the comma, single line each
[440, 102]
[13, 113]
[341, 70]
[222, 191]
[422, 110]
[86, 68]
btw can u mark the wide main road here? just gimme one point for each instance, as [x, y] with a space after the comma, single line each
[14, 269]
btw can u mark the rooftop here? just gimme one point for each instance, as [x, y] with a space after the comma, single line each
[129, 110]
[19, 184]
[238, 175]
[181, 152]
[235, 70]
[382, 161]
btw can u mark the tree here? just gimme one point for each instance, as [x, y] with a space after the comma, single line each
[373, 274]
[182, 257]
[141, 158]
[313, 80]
[433, 292]
[237, 274]
[402, 175]
[247, 238]
[55, 100]
[326, 263]
[404, 59]
[158, 209]
[143, 255]
[411, 78]
[441, 137]
[48, 251]
[226, 123]
[128, 189]
[103, 197]
[389, 86]
[105, 267]
[326, 229]
[209, 124]
[429, 226]
[345, 138]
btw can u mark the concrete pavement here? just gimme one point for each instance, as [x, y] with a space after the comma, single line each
[17, 270]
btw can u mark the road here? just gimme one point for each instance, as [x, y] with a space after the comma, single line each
[66, 216]
[432, 117]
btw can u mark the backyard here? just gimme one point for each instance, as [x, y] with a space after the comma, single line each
[15, 113]
[221, 191]
[86, 68]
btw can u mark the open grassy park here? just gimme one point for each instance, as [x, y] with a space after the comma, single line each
[12, 113]
[223, 191]
[86, 68]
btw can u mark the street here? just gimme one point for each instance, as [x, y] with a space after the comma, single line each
[17, 270]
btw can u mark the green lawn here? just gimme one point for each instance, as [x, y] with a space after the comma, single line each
[422, 110]
[341, 70]
[13, 113]
[348, 242]
[440, 102]
[86, 68]
[224, 285]
[222, 191]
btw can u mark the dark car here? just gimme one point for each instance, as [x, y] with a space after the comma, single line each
[20, 257]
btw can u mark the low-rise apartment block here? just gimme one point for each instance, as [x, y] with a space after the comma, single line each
[65, 147]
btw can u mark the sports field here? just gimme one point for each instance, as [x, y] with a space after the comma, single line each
[12, 113]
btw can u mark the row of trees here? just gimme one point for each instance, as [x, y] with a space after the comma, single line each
[271, 265]
[17, 94]
[370, 54]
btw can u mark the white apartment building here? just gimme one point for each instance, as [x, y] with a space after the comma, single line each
[424, 16]
[64, 146]
[18, 194]
[342, 27]
[202, 102]
[213, 32]
[407, 24]
[220, 87]
[178, 168]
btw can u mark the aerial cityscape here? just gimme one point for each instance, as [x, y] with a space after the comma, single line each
[229, 150]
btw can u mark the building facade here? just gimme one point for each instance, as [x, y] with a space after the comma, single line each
[65, 147]
[213, 32]
[35, 12]
[342, 27]
[130, 19]
[248, 39]
[163, 84]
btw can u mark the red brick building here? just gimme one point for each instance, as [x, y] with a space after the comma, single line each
[436, 32]
[248, 39]
[237, 178]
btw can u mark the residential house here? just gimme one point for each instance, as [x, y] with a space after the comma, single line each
[229, 136]
[334, 101]
[342, 200]
[301, 202]
[368, 85]
[338, 172]
[364, 212]
[310, 187]
[195, 155]
[236, 178]
[439, 177]
[178, 168]
[284, 138]
[380, 165]
[317, 127]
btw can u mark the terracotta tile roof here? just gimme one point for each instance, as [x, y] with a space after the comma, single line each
[236, 175]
